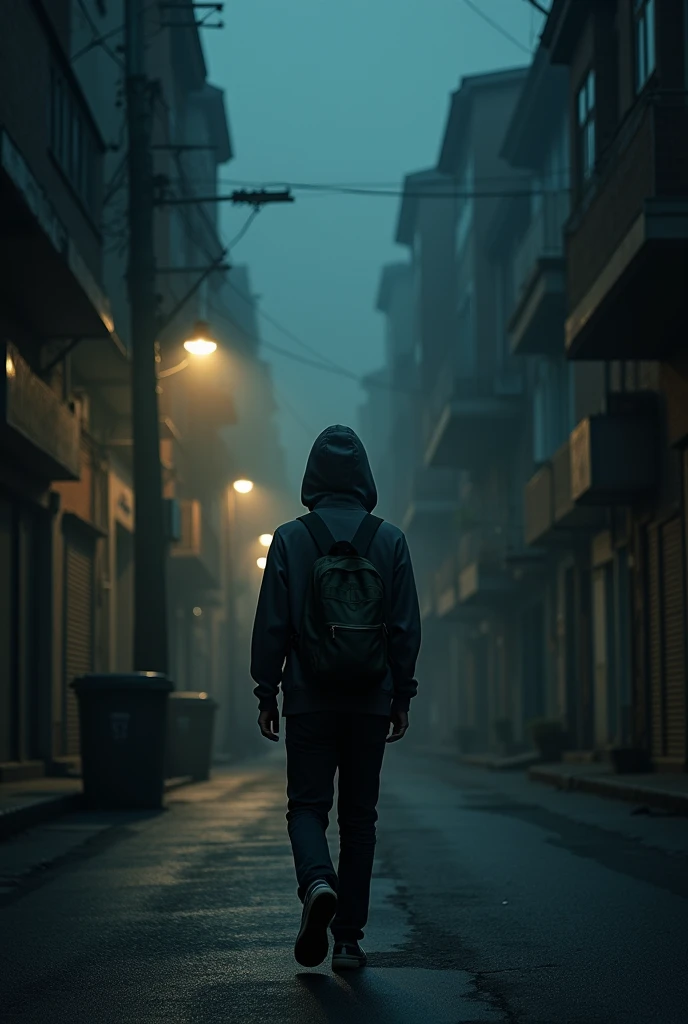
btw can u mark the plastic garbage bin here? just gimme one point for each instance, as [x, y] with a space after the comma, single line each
[190, 721]
[122, 720]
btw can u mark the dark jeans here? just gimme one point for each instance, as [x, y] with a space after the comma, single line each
[319, 743]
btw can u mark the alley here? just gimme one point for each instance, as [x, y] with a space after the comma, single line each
[494, 900]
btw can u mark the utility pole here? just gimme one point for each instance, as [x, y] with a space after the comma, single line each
[150, 592]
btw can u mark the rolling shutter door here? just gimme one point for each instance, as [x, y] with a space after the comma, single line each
[654, 615]
[674, 642]
[79, 571]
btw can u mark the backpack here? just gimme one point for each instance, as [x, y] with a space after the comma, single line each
[343, 640]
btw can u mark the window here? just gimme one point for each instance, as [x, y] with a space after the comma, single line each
[71, 142]
[586, 128]
[645, 55]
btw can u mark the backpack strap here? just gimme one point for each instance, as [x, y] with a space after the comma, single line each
[365, 534]
[323, 539]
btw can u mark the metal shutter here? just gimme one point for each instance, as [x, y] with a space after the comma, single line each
[674, 642]
[78, 630]
[654, 618]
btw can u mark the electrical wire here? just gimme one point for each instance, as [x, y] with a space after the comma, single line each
[269, 319]
[286, 406]
[334, 369]
[496, 26]
[399, 193]
[98, 40]
[244, 230]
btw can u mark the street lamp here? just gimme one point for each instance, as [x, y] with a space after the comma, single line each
[201, 342]
[243, 486]
[265, 539]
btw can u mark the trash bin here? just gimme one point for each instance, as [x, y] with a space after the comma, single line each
[190, 721]
[122, 720]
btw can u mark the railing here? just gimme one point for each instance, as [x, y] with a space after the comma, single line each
[561, 481]
[539, 504]
[544, 239]
[648, 158]
[451, 386]
[36, 416]
[490, 544]
[197, 540]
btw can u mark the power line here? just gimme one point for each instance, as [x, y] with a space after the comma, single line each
[399, 193]
[289, 408]
[497, 27]
[285, 330]
[97, 39]
[539, 7]
[331, 368]
[246, 228]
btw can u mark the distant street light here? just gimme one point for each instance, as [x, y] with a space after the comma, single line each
[201, 342]
[261, 562]
[265, 539]
[243, 486]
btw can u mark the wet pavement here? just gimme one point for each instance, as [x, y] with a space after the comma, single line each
[494, 900]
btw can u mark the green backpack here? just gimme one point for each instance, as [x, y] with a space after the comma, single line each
[342, 645]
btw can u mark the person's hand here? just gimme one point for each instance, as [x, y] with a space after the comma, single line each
[268, 723]
[399, 721]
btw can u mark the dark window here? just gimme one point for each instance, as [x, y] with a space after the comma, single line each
[71, 140]
[645, 53]
[586, 128]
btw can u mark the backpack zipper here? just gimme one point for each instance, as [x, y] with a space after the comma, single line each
[357, 629]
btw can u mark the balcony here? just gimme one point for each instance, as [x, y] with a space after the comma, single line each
[627, 247]
[536, 326]
[570, 518]
[469, 419]
[195, 564]
[539, 506]
[432, 498]
[41, 432]
[484, 577]
[615, 458]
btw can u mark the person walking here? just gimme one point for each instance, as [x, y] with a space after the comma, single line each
[337, 628]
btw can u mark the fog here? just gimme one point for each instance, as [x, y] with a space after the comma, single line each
[339, 93]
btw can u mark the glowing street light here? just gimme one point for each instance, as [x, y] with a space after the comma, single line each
[261, 562]
[265, 539]
[243, 486]
[201, 342]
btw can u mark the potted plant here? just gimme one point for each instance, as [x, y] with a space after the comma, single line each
[549, 738]
[504, 733]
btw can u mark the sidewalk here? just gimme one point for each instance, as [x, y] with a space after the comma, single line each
[25, 804]
[668, 792]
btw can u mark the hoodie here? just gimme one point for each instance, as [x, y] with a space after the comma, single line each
[338, 484]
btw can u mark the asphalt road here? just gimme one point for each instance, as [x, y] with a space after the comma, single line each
[495, 900]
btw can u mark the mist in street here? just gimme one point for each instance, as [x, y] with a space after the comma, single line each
[351, 93]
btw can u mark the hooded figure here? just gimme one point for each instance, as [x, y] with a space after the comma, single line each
[326, 732]
[339, 485]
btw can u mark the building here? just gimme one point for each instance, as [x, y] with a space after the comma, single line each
[66, 501]
[60, 344]
[626, 261]
[473, 399]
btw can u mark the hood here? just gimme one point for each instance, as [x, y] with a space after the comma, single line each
[338, 466]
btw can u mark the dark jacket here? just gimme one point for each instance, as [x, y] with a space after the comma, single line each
[339, 484]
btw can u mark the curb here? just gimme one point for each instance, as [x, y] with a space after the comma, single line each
[18, 819]
[22, 817]
[629, 793]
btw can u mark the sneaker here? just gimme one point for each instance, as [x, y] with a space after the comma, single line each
[348, 956]
[313, 941]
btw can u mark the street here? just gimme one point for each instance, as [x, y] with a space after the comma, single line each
[494, 900]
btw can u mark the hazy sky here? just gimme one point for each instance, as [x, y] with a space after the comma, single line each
[354, 91]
